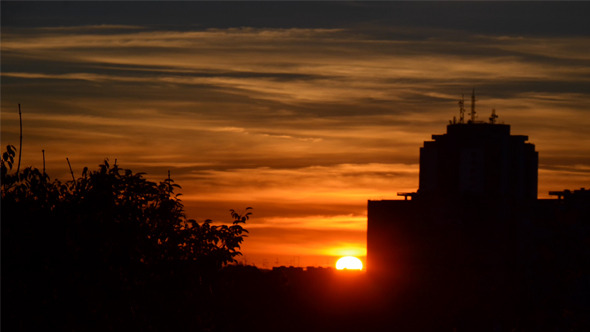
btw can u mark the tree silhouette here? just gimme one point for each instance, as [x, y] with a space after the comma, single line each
[93, 248]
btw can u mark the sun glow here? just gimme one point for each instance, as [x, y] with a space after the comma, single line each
[349, 263]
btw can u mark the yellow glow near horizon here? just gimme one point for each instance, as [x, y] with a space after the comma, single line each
[349, 263]
[347, 249]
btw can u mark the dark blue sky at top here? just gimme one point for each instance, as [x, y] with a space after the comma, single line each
[526, 18]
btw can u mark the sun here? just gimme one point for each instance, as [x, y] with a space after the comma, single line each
[349, 263]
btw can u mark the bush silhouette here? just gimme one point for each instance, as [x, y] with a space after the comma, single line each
[109, 247]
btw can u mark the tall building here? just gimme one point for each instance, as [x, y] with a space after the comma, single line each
[472, 239]
[478, 160]
[475, 180]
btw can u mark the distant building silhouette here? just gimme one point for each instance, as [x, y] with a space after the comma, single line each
[470, 239]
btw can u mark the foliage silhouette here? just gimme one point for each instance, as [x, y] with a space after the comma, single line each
[95, 248]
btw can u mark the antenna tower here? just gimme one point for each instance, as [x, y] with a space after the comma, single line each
[493, 117]
[462, 109]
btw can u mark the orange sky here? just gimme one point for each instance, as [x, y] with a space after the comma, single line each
[303, 119]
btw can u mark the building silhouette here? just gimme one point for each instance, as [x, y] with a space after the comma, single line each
[479, 159]
[474, 241]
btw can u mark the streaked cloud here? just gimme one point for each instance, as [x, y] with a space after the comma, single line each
[303, 120]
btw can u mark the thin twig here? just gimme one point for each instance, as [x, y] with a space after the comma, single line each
[72, 172]
[20, 147]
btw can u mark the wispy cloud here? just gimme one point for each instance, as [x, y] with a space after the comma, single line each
[303, 122]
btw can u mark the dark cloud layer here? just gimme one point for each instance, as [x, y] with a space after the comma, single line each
[528, 18]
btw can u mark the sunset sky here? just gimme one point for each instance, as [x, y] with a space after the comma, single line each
[303, 111]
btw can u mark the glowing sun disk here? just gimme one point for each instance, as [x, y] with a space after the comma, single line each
[349, 263]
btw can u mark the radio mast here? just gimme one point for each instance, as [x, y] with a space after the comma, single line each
[493, 117]
[462, 109]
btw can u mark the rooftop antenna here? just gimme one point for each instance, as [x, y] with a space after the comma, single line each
[493, 117]
[462, 109]
[472, 106]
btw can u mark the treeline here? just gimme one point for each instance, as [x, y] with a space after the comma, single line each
[108, 250]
